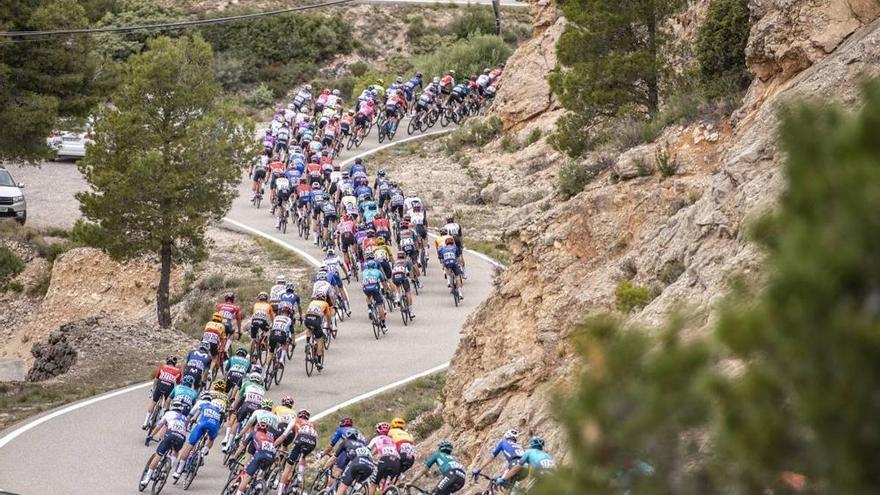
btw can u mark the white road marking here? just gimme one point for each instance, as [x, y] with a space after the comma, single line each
[302, 254]
[378, 391]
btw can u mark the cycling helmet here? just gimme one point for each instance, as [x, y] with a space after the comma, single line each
[381, 172]
[303, 414]
[326, 91]
[449, 217]
[308, 87]
[382, 428]
[255, 377]
[536, 443]
[330, 252]
[398, 423]
[291, 287]
[404, 225]
[268, 404]
[450, 241]
[241, 352]
[316, 185]
[229, 296]
[358, 161]
[400, 255]
[335, 92]
[204, 346]
[287, 401]
[171, 360]
[205, 395]
[351, 434]
[380, 241]
[263, 296]
[323, 268]
[394, 183]
[380, 81]
[443, 231]
[290, 106]
[419, 75]
[284, 309]
[262, 426]
[217, 316]
[188, 380]
[320, 276]
[219, 386]
[280, 279]
[178, 406]
[445, 446]
[511, 434]
[451, 72]
[346, 421]
[379, 214]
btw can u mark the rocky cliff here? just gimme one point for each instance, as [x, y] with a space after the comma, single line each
[682, 236]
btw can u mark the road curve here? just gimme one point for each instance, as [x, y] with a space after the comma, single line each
[99, 449]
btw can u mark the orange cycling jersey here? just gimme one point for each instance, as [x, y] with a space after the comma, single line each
[263, 311]
[318, 307]
[400, 436]
[213, 332]
[447, 80]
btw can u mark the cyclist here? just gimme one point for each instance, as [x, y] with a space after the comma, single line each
[534, 459]
[275, 293]
[330, 217]
[263, 313]
[357, 166]
[455, 231]
[385, 450]
[282, 196]
[382, 226]
[393, 104]
[317, 318]
[263, 443]
[305, 437]
[231, 313]
[395, 200]
[407, 242]
[303, 197]
[236, 368]
[286, 416]
[451, 470]
[302, 98]
[319, 197]
[373, 280]
[401, 273]
[248, 400]
[447, 82]
[197, 362]
[185, 393]
[359, 466]
[207, 415]
[404, 442]
[368, 208]
[508, 447]
[258, 172]
[409, 86]
[173, 426]
[334, 265]
[292, 299]
[448, 255]
[282, 328]
[264, 415]
[346, 425]
[167, 376]
[213, 335]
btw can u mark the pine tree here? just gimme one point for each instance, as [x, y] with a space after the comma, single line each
[166, 159]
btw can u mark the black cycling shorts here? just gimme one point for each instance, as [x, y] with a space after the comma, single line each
[359, 469]
[450, 483]
[387, 469]
[171, 441]
[257, 325]
[302, 447]
[277, 338]
[244, 412]
[259, 174]
[313, 323]
[162, 390]
[401, 281]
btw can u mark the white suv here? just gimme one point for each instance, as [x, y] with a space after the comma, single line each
[12, 203]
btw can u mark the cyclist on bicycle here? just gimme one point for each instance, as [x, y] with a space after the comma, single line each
[206, 415]
[382, 226]
[359, 464]
[167, 376]
[214, 334]
[262, 415]
[535, 460]
[281, 331]
[263, 444]
[455, 230]
[292, 298]
[346, 425]
[173, 427]
[305, 436]
[197, 362]
[249, 399]
[449, 257]
[282, 196]
[231, 315]
[236, 368]
[263, 313]
[275, 294]
[451, 470]
[401, 273]
[372, 281]
[508, 447]
[318, 318]
[185, 393]
[404, 442]
[385, 450]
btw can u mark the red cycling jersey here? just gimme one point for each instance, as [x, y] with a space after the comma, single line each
[229, 311]
[381, 225]
[168, 374]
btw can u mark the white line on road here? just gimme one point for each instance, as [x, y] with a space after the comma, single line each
[302, 254]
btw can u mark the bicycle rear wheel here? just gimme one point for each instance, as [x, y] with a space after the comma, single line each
[194, 468]
[310, 359]
[162, 471]
[290, 347]
[144, 473]
[257, 200]
[279, 373]
[404, 311]
[374, 320]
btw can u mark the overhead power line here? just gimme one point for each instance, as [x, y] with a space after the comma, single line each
[170, 25]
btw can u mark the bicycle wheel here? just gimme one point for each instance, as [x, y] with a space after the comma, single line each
[455, 295]
[290, 347]
[374, 320]
[144, 473]
[310, 359]
[404, 311]
[193, 470]
[423, 261]
[284, 225]
[257, 200]
[279, 372]
[161, 475]
[231, 486]
[263, 354]
[267, 378]
[415, 285]
[391, 490]
[320, 482]
[413, 126]
[382, 132]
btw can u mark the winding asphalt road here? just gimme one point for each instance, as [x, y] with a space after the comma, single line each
[98, 448]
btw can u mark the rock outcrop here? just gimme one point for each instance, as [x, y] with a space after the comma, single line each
[51, 358]
[681, 236]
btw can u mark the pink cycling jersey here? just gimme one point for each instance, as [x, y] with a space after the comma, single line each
[383, 446]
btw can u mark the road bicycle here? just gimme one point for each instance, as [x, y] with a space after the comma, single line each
[411, 489]
[291, 342]
[275, 368]
[491, 488]
[260, 346]
[312, 359]
[378, 328]
[404, 308]
[303, 224]
[257, 198]
[193, 463]
[285, 214]
[160, 475]
[454, 286]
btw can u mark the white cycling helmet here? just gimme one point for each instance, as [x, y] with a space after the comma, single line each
[335, 92]
[308, 87]
[511, 434]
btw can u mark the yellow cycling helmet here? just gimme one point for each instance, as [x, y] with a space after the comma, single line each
[380, 241]
[219, 386]
[380, 81]
[398, 423]
[218, 317]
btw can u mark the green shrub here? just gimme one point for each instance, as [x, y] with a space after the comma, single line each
[86, 233]
[667, 164]
[533, 136]
[358, 69]
[468, 56]
[630, 296]
[262, 96]
[10, 266]
[509, 144]
[721, 45]
[474, 133]
[473, 21]
[573, 177]
[213, 282]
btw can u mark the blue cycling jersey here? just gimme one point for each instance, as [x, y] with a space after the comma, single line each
[363, 191]
[339, 434]
[356, 168]
[208, 412]
[185, 394]
[449, 255]
[290, 297]
[198, 359]
[372, 277]
[511, 450]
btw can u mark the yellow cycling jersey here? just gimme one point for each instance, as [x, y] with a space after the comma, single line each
[441, 241]
[263, 311]
[318, 307]
[382, 253]
[220, 396]
[285, 414]
[399, 436]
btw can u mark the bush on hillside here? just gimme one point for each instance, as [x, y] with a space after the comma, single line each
[630, 296]
[10, 266]
[573, 177]
[721, 45]
[465, 57]
[474, 20]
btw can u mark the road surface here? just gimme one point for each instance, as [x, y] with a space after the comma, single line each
[99, 449]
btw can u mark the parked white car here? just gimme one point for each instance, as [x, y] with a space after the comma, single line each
[69, 144]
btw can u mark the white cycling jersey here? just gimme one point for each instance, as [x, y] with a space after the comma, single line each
[282, 322]
[276, 291]
[453, 228]
[408, 203]
[321, 289]
[175, 422]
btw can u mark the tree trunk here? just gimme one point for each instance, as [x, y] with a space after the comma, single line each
[652, 80]
[163, 308]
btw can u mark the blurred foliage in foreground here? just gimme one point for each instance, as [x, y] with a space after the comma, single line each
[783, 396]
